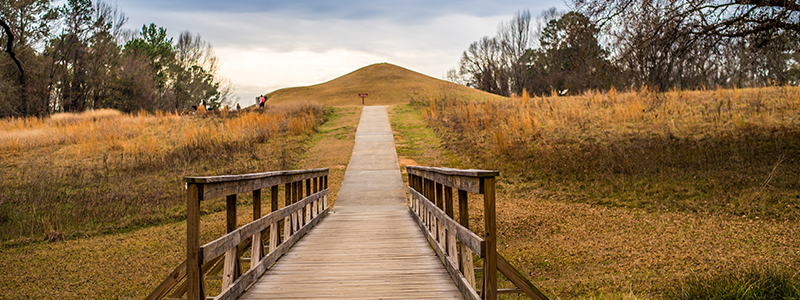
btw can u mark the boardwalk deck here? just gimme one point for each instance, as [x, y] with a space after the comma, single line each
[368, 247]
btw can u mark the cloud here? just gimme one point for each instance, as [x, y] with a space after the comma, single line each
[274, 44]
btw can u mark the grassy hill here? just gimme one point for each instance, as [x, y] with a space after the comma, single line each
[385, 83]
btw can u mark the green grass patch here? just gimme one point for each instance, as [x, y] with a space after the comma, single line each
[754, 284]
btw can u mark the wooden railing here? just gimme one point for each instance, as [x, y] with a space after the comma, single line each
[224, 254]
[453, 241]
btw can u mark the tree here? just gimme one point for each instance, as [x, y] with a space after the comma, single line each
[482, 67]
[571, 55]
[25, 25]
[514, 39]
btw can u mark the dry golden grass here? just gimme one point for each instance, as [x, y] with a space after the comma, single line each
[129, 264]
[385, 83]
[76, 175]
[619, 195]
[733, 151]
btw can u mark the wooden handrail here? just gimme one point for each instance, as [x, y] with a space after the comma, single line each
[464, 235]
[298, 216]
[431, 205]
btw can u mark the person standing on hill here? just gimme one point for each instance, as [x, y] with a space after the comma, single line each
[238, 107]
[261, 101]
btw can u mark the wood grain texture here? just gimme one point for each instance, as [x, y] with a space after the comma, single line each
[358, 255]
[469, 238]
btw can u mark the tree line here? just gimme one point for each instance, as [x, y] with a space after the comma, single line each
[686, 44]
[78, 56]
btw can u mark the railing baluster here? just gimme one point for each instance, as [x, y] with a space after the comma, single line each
[465, 257]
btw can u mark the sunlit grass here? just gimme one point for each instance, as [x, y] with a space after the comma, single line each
[77, 174]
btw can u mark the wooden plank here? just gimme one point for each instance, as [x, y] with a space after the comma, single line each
[194, 254]
[274, 236]
[223, 243]
[518, 279]
[467, 290]
[453, 179]
[222, 189]
[242, 283]
[229, 272]
[256, 249]
[465, 263]
[310, 173]
[490, 237]
[469, 238]
[455, 172]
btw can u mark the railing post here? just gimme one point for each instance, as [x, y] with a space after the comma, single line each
[442, 236]
[194, 258]
[465, 258]
[232, 269]
[256, 246]
[308, 206]
[287, 222]
[451, 238]
[274, 228]
[325, 188]
[490, 237]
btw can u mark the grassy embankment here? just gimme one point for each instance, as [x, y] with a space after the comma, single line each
[637, 195]
[385, 83]
[125, 260]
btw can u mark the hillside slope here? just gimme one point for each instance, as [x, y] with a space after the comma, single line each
[385, 83]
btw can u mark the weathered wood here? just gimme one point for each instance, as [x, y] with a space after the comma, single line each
[235, 237]
[468, 180]
[274, 236]
[309, 173]
[469, 238]
[287, 222]
[194, 255]
[452, 251]
[229, 272]
[467, 290]
[234, 269]
[242, 283]
[220, 186]
[465, 256]
[490, 239]
[454, 172]
[256, 249]
[518, 279]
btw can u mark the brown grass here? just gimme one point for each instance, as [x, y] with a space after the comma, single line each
[385, 83]
[628, 195]
[129, 264]
[734, 152]
[91, 173]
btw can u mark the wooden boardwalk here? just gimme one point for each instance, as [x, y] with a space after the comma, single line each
[368, 247]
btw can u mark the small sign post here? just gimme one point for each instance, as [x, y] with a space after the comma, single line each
[362, 97]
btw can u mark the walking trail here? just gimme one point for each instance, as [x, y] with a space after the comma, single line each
[369, 247]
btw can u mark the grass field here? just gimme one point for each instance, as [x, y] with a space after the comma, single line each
[635, 195]
[129, 262]
[638, 195]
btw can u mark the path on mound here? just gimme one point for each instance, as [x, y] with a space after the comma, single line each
[369, 247]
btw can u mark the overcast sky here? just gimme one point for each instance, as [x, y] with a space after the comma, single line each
[267, 45]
